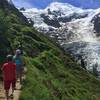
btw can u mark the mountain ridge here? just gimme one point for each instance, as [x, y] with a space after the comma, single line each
[65, 10]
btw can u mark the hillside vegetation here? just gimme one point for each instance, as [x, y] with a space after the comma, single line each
[52, 73]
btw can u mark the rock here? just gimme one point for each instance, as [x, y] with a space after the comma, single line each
[22, 9]
[96, 22]
[52, 22]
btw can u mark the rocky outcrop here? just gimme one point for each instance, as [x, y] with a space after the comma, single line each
[52, 22]
[96, 22]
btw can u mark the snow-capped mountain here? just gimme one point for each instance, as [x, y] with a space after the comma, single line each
[55, 15]
[75, 29]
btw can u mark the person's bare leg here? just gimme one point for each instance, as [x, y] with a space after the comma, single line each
[13, 86]
[11, 96]
[20, 77]
[17, 76]
[7, 94]
[13, 90]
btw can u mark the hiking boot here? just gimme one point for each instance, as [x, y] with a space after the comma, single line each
[11, 96]
[8, 98]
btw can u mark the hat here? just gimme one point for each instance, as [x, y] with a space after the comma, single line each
[18, 51]
[9, 57]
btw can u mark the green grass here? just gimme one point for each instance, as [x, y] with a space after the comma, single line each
[48, 78]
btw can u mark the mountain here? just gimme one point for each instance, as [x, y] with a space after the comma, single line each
[62, 12]
[53, 74]
[75, 29]
[10, 2]
[96, 22]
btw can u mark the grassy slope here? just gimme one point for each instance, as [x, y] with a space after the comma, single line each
[52, 74]
[56, 77]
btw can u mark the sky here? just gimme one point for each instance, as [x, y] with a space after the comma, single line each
[41, 4]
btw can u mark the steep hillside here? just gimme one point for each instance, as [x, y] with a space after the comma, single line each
[52, 73]
[15, 30]
[54, 76]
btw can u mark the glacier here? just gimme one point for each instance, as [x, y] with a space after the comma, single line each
[75, 33]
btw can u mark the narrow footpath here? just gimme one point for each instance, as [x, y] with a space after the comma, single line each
[17, 92]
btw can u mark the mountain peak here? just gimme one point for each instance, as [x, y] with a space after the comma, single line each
[60, 5]
[10, 2]
[66, 8]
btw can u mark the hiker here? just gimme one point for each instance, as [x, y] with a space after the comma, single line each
[9, 75]
[19, 64]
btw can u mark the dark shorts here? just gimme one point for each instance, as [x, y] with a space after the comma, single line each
[7, 84]
[19, 68]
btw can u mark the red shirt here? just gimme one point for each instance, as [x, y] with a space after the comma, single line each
[9, 71]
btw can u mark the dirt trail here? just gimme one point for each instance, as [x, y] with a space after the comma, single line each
[17, 92]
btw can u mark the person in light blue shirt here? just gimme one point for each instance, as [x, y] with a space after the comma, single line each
[19, 64]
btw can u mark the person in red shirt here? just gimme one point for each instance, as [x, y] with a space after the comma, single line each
[9, 75]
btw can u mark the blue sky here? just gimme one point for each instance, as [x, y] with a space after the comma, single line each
[41, 4]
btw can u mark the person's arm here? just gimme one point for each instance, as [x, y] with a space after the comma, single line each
[2, 68]
[22, 60]
[13, 59]
[24, 63]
